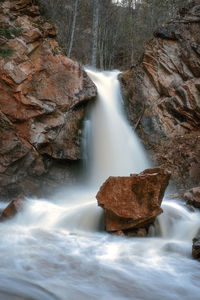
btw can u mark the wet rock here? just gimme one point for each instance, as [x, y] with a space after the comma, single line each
[161, 95]
[193, 197]
[140, 232]
[13, 208]
[132, 203]
[44, 96]
[196, 248]
[190, 207]
[175, 196]
[119, 233]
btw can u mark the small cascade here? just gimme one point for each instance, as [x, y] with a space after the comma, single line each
[178, 222]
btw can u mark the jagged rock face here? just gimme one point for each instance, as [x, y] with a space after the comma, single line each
[43, 100]
[132, 203]
[162, 96]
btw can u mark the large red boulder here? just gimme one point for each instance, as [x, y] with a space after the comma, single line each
[133, 202]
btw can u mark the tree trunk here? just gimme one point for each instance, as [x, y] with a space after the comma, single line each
[73, 28]
[95, 32]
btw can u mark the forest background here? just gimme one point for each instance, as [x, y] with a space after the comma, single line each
[108, 34]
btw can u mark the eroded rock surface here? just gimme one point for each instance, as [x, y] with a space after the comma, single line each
[162, 96]
[132, 203]
[43, 100]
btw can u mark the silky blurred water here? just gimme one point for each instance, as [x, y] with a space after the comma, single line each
[58, 250]
[113, 148]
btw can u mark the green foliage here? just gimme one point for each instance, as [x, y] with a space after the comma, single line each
[38, 25]
[55, 51]
[4, 124]
[6, 52]
[10, 32]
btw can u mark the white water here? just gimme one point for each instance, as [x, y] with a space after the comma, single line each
[55, 250]
[115, 149]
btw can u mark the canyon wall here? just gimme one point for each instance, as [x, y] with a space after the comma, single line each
[162, 96]
[43, 99]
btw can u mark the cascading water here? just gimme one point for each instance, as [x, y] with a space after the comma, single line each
[54, 250]
[115, 149]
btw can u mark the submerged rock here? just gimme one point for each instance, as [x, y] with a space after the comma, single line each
[13, 208]
[196, 248]
[132, 203]
[162, 96]
[44, 96]
[193, 197]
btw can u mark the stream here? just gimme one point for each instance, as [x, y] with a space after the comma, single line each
[57, 249]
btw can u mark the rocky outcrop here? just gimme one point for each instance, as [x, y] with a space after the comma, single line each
[193, 197]
[162, 96]
[13, 208]
[43, 100]
[132, 203]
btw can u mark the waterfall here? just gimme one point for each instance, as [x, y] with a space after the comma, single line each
[58, 250]
[114, 148]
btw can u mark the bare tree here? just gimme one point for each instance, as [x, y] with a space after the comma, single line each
[119, 28]
[73, 28]
[95, 32]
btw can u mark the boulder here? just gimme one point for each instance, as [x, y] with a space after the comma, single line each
[13, 208]
[161, 95]
[196, 248]
[132, 203]
[193, 197]
[44, 96]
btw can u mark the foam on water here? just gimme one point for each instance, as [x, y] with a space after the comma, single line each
[57, 250]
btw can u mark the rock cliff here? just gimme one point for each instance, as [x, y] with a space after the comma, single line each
[43, 98]
[162, 96]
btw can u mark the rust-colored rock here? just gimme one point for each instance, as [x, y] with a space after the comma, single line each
[133, 202]
[193, 197]
[13, 208]
[162, 96]
[196, 248]
[43, 100]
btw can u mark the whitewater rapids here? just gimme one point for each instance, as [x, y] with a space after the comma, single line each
[58, 250]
